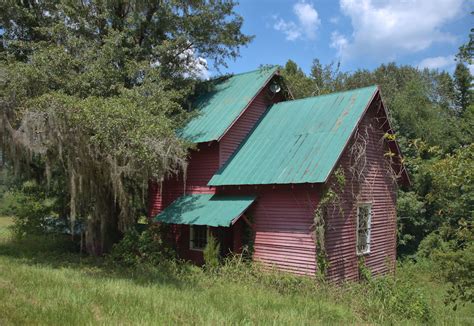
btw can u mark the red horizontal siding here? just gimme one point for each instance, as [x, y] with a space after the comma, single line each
[203, 163]
[282, 220]
[378, 188]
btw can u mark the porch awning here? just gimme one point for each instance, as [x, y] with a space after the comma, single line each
[205, 209]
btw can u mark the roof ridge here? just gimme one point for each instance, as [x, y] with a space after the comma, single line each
[324, 95]
[270, 68]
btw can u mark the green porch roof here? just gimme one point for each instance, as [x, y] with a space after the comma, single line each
[297, 141]
[219, 108]
[205, 209]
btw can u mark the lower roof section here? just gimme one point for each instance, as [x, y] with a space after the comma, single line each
[205, 209]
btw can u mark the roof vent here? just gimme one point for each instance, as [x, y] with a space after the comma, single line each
[275, 88]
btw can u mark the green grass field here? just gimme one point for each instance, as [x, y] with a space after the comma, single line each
[44, 281]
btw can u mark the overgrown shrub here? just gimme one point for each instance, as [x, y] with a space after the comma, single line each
[411, 223]
[387, 299]
[212, 253]
[34, 212]
[142, 247]
[434, 242]
[364, 272]
[457, 267]
[456, 264]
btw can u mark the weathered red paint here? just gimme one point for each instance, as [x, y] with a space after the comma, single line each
[203, 163]
[378, 188]
[282, 221]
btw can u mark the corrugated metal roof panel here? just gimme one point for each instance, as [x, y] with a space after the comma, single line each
[219, 108]
[205, 209]
[297, 141]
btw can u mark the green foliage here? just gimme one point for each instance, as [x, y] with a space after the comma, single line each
[441, 196]
[397, 299]
[417, 117]
[364, 272]
[212, 253]
[457, 268]
[300, 86]
[452, 249]
[463, 85]
[31, 208]
[452, 192]
[327, 78]
[411, 224]
[435, 242]
[142, 247]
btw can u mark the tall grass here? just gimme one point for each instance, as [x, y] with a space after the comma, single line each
[45, 281]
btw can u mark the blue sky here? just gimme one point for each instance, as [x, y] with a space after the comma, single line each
[359, 33]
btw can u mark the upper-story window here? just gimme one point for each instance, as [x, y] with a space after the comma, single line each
[364, 219]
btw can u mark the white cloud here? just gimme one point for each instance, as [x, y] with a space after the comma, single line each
[308, 18]
[339, 42]
[438, 62]
[290, 29]
[385, 29]
[197, 66]
[201, 68]
[306, 25]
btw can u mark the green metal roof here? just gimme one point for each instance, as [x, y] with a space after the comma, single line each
[204, 209]
[219, 108]
[297, 141]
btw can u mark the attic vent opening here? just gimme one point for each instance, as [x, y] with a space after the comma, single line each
[275, 88]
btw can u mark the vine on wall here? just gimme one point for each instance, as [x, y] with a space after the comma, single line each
[329, 201]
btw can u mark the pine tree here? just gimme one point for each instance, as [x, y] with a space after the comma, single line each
[463, 84]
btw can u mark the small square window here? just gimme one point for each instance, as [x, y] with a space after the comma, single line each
[198, 237]
[364, 218]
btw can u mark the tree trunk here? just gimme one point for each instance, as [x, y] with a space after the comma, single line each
[102, 230]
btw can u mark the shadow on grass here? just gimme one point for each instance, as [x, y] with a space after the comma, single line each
[61, 252]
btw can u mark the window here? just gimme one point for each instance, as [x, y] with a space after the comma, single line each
[198, 237]
[364, 216]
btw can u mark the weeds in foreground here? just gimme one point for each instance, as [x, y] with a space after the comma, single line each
[235, 292]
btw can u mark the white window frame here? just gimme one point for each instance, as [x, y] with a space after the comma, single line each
[369, 229]
[191, 237]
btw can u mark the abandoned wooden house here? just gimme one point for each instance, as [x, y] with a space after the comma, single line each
[310, 178]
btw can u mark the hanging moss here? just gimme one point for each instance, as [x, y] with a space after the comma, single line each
[107, 149]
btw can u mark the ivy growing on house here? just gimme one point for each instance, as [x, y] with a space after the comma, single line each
[329, 202]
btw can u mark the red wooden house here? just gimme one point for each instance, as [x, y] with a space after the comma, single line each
[264, 161]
